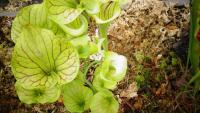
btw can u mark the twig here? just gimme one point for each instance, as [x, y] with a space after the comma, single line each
[8, 14]
[129, 105]
[176, 99]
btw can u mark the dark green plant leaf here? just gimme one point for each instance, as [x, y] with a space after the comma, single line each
[77, 97]
[37, 95]
[42, 59]
[104, 102]
[194, 47]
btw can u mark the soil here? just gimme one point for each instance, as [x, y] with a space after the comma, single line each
[152, 34]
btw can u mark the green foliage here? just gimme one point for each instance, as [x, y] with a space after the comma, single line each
[84, 46]
[139, 55]
[77, 97]
[193, 53]
[42, 59]
[112, 70]
[75, 28]
[31, 16]
[90, 6]
[37, 95]
[194, 43]
[63, 11]
[142, 75]
[163, 63]
[108, 12]
[50, 41]
[140, 80]
[104, 102]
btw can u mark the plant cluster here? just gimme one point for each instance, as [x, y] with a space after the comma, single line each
[51, 41]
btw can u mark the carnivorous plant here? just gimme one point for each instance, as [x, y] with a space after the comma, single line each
[53, 53]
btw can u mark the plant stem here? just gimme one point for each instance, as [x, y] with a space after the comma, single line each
[103, 30]
[89, 66]
[90, 85]
[85, 73]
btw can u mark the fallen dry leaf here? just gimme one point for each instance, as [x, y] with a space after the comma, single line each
[131, 92]
[161, 90]
[138, 104]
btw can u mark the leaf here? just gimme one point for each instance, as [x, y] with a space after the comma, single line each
[76, 28]
[77, 97]
[35, 15]
[195, 77]
[37, 95]
[194, 43]
[131, 92]
[108, 12]
[91, 6]
[42, 59]
[80, 78]
[56, 6]
[63, 11]
[121, 2]
[84, 46]
[99, 42]
[93, 48]
[100, 82]
[104, 102]
[118, 66]
[112, 70]
[104, 1]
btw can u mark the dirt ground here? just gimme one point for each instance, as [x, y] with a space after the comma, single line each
[152, 34]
